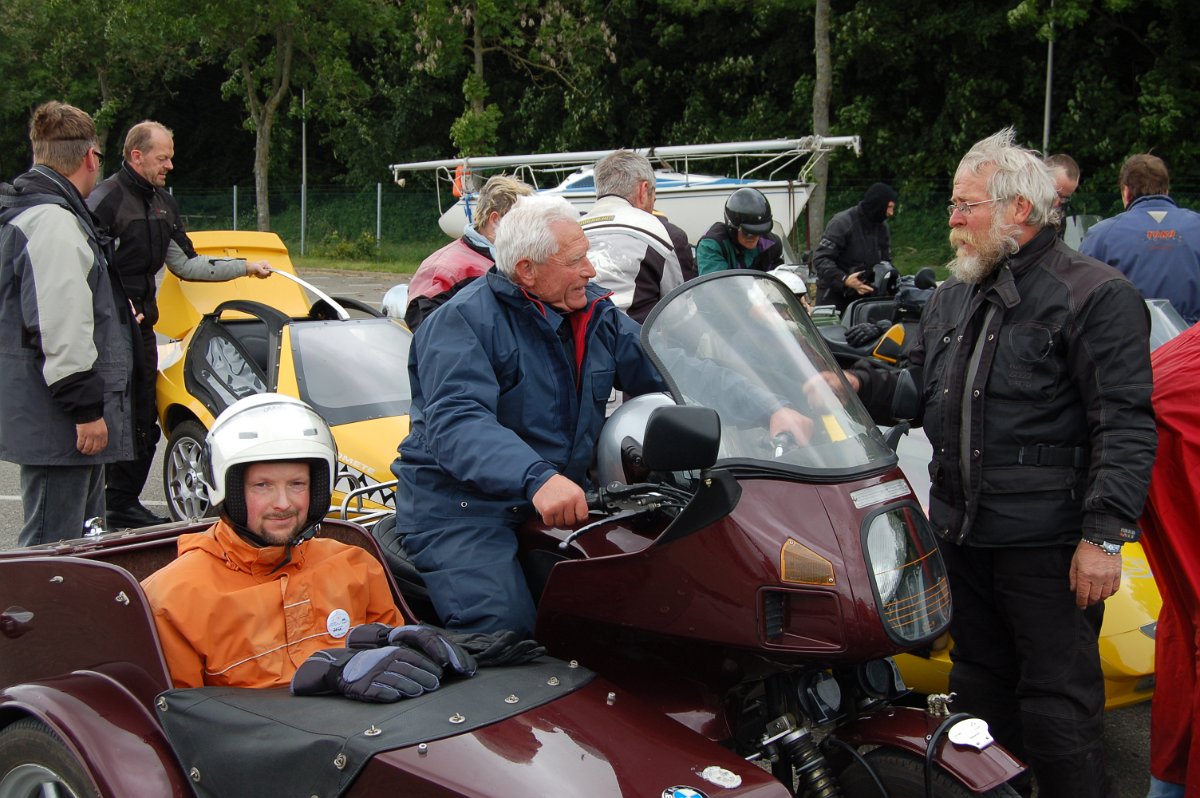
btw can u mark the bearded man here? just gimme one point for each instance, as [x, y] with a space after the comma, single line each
[1034, 374]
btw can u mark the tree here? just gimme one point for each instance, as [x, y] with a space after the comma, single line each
[822, 91]
[264, 46]
[555, 41]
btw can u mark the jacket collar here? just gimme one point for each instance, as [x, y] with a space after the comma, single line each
[44, 181]
[222, 542]
[1148, 198]
[512, 294]
[1003, 282]
[135, 181]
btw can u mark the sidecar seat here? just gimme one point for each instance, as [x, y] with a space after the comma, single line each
[407, 577]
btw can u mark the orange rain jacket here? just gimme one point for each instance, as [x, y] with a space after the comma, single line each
[225, 619]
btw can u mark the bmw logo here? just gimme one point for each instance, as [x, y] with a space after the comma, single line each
[682, 792]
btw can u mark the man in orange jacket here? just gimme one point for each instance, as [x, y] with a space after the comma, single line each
[251, 598]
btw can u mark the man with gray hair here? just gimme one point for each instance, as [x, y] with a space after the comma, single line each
[1034, 381]
[631, 248]
[509, 384]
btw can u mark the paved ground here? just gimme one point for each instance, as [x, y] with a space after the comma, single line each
[1128, 730]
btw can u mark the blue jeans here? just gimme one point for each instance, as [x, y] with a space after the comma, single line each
[58, 500]
[1164, 789]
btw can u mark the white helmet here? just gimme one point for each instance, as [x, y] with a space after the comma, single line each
[263, 428]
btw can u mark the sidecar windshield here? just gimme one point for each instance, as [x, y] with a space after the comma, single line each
[740, 343]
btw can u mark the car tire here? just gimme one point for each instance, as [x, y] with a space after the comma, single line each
[34, 762]
[183, 473]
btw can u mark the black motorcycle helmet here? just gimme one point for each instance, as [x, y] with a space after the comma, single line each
[747, 209]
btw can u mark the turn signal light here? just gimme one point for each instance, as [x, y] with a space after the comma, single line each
[800, 565]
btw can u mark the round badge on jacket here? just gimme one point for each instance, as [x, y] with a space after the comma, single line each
[338, 623]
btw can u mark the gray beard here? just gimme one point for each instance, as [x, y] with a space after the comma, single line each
[972, 269]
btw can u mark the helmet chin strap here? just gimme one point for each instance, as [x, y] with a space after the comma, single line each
[257, 540]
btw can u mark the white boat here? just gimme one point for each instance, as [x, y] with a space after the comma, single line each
[780, 168]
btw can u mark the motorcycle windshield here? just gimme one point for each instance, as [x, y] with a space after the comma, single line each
[740, 343]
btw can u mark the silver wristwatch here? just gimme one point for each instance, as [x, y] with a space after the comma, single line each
[1107, 546]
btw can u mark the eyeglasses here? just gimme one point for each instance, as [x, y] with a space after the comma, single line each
[99, 156]
[965, 207]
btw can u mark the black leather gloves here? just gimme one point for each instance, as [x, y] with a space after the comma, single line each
[482, 649]
[378, 675]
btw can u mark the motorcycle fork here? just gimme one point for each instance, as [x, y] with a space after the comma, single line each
[796, 758]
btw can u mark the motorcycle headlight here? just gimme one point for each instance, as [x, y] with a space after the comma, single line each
[907, 573]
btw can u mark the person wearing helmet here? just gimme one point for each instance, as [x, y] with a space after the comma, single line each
[252, 597]
[853, 242]
[744, 240]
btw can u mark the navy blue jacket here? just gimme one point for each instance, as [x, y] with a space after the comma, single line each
[1156, 244]
[497, 408]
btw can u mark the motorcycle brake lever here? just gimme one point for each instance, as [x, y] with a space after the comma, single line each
[621, 516]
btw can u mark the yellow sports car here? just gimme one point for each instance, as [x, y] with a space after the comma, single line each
[245, 336]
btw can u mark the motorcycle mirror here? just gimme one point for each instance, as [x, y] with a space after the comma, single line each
[906, 401]
[681, 438]
[926, 278]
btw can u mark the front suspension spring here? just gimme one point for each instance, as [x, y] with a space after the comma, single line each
[810, 763]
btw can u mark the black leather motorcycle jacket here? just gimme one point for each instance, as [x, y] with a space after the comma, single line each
[142, 221]
[1036, 399]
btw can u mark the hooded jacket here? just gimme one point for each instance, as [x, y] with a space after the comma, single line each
[499, 406]
[65, 346]
[446, 272]
[854, 240]
[228, 615]
[1036, 397]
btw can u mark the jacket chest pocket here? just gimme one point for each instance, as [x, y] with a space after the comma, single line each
[1027, 364]
[939, 341]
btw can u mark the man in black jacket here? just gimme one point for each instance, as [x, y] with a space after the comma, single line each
[147, 230]
[1035, 373]
[854, 241]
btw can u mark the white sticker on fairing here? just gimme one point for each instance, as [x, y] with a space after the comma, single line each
[338, 623]
[877, 494]
[721, 777]
[972, 732]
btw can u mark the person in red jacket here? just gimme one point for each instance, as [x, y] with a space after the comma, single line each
[1169, 521]
[447, 271]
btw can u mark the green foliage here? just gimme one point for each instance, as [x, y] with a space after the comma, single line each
[395, 80]
[340, 247]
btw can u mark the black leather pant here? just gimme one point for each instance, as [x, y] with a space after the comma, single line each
[1026, 660]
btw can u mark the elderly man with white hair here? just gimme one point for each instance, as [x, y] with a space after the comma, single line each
[1035, 382]
[509, 381]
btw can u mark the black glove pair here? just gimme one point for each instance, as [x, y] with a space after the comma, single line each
[485, 650]
[865, 333]
[385, 671]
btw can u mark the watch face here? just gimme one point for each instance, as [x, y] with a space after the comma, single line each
[1111, 548]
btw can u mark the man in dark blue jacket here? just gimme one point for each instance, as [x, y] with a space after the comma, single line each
[1155, 243]
[509, 381]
